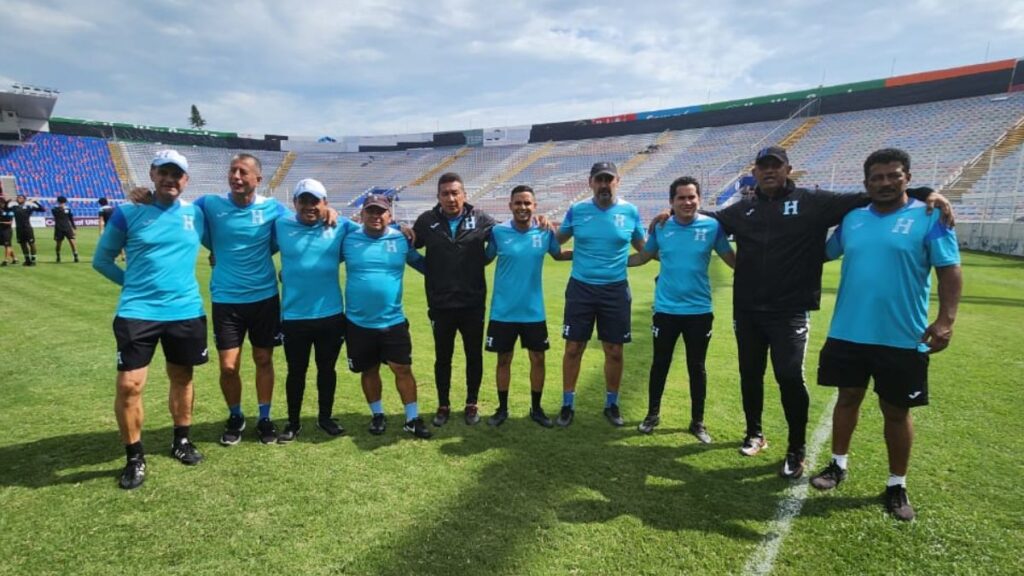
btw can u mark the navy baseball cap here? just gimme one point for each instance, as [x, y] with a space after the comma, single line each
[777, 152]
[604, 168]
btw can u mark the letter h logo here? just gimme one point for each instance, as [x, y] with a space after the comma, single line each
[791, 208]
[903, 226]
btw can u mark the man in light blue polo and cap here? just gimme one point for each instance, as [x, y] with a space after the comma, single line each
[159, 303]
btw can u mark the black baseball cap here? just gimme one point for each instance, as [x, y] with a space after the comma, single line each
[604, 168]
[777, 152]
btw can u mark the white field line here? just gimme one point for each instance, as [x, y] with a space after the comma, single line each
[792, 501]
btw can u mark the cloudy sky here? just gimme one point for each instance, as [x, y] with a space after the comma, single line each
[362, 67]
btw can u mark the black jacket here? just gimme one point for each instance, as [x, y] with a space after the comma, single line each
[455, 266]
[780, 245]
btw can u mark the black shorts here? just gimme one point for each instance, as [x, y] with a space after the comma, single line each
[368, 347]
[5, 235]
[183, 342]
[502, 336]
[62, 233]
[609, 304]
[901, 374]
[26, 235]
[262, 320]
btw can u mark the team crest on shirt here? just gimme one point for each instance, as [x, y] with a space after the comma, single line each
[257, 217]
[620, 220]
[391, 246]
[470, 223]
[328, 233]
[700, 235]
[902, 226]
[537, 241]
[791, 208]
[188, 222]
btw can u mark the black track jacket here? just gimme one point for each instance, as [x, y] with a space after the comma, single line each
[780, 245]
[455, 266]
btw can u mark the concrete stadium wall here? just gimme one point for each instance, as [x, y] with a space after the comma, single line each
[1000, 238]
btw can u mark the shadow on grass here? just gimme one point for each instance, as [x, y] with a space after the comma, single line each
[56, 460]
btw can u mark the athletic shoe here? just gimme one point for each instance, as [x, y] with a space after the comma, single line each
[133, 475]
[442, 416]
[4, 264]
[793, 465]
[58, 259]
[291, 432]
[752, 445]
[650, 422]
[76, 257]
[330, 426]
[233, 430]
[613, 416]
[897, 503]
[417, 428]
[565, 416]
[267, 431]
[184, 451]
[472, 415]
[28, 263]
[498, 419]
[831, 477]
[700, 432]
[540, 417]
[378, 424]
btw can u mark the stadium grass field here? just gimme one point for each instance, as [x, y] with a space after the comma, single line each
[515, 500]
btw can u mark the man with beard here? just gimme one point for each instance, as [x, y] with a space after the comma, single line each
[603, 229]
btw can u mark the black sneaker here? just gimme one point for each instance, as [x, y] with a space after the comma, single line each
[700, 432]
[831, 477]
[378, 424]
[753, 444]
[613, 416]
[28, 263]
[540, 417]
[233, 431]
[793, 465]
[133, 475]
[267, 431]
[330, 426]
[291, 432]
[898, 504]
[565, 416]
[650, 422]
[4, 264]
[442, 416]
[472, 415]
[417, 428]
[76, 257]
[498, 419]
[184, 451]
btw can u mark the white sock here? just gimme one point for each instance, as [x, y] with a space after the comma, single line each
[895, 480]
[840, 460]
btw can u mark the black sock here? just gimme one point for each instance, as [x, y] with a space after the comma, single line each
[133, 451]
[181, 432]
[503, 400]
[535, 398]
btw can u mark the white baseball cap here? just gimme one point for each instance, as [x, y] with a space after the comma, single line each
[310, 186]
[170, 157]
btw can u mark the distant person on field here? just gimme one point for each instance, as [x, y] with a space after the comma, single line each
[453, 233]
[517, 300]
[26, 236]
[880, 325]
[682, 298]
[64, 226]
[159, 303]
[7, 230]
[603, 229]
[378, 332]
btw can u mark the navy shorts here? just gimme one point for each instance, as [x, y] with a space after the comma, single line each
[608, 304]
[261, 320]
[183, 342]
[368, 347]
[502, 336]
[901, 374]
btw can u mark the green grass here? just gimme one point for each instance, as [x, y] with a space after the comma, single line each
[516, 500]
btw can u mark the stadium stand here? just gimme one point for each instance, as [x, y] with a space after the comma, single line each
[51, 165]
[208, 167]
